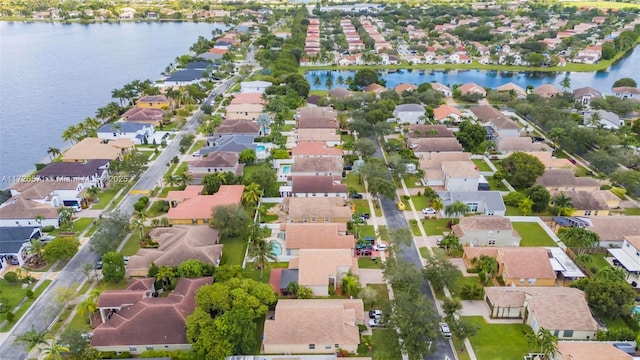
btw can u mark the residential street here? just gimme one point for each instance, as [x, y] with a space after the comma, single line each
[44, 310]
[395, 219]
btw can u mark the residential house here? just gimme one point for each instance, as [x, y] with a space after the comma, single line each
[425, 145]
[319, 269]
[111, 301]
[319, 234]
[626, 92]
[429, 131]
[447, 113]
[176, 245]
[584, 95]
[53, 193]
[536, 271]
[472, 88]
[590, 203]
[15, 242]
[547, 91]
[339, 93]
[316, 326]
[228, 142]
[482, 202]
[128, 329]
[326, 136]
[91, 173]
[628, 256]
[510, 145]
[409, 113]
[431, 164]
[588, 55]
[153, 117]
[318, 166]
[138, 133]
[315, 149]
[243, 111]
[19, 211]
[190, 207]
[561, 310]
[607, 120]
[612, 229]
[238, 127]
[375, 88]
[519, 92]
[565, 180]
[460, 176]
[401, 88]
[254, 86]
[314, 186]
[589, 350]
[316, 118]
[443, 89]
[483, 230]
[303, 210]
[551, 162]
[159, 102]
[497, 124]
[94, 148]
[221, 161]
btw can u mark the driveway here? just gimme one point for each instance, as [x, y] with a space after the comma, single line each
[371, 276]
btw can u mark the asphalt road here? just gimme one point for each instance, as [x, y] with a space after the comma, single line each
[44, 310]
[395, 219]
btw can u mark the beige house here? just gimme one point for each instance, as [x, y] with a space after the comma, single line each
[591, 203]
[589, 350]
[327, 136]
[536, 271]
[510, 145]
[302, 210]
[551, 162]
[244, 111]
[561, 310]
[613, 229]
[486, 230]
[460, 176]
[427, 145]
[315, 236]
[565, 180]
[319, 269]
[313, 326]
[318, 166]
[94, 148]
[315, 149]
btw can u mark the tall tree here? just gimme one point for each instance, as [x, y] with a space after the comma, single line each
[522, 169]
[87, 306]
[261, 252]
[456, 209]
[53, 152]
[414, 318]
[32, 338]
[440, 272]
[113, 267]
[450, 242]
[53, 351]
[230, 220]
[61, 248]
[579, 238]
[251, 194]
[562, 205]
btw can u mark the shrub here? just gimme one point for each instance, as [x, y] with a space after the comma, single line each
[514, 198]
[619, 192]
[49, 228]
[29, 294]
[605, 187]
[11, 277]
[10, 316]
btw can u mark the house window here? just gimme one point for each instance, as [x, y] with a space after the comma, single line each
[132, 348]
[492, 242]
[637, 253]
[628, 245]
[206, 221]
[208, 170]
[595, 213]
[337, 346]
[313, 219]
[472, 207]
[327, 347]
[521, 281]
[149, 347]
[326, 220]
[567, 333]
[312, 346]
[194, 221]
[532, 281]
[556, 333]
[587, 212]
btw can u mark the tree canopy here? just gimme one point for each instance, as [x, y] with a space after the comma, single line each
[230, 221]
[522, 169]
[110, 233]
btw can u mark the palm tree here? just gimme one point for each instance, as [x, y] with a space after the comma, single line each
[562, 204]
[165, 275]
[92, 193]
[70, 134]
[32, 338]
[184, 179]
[316, 81]
[120, 94]
[87, 306]
[138, 224]
[91, 125]
[170, 180]
[340, 80]
[566, 83]
[329, 82]
[350, 285]
[594, 121]
[53, 152]
[261, 252]
[65, 215]
[450, 242]
[456, 209]
[437, 205]
[251, 194]
[36, 249]
[545, 341]
[53, 351]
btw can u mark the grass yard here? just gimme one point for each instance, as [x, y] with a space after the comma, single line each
[105, 197]
[362, 206]
[499, 341]
[419, 202]
[532, 234]
[253, 272]
[512, 211]
[384, 233]
[381, 299]
[413, 181]
[165, 191]
[598, 261]
[15, 293]
[366, 230]
[132, 245]
[456, 289]
[81, 224]
[267, 218]
[234, 250]
[424, 252]
[632, 211]
[367, 263]
[103, 285]
[495, 185]
[458, 345]
[286, 128]
[384, 345]
[436, 226]
[352, 182]
[481, 164]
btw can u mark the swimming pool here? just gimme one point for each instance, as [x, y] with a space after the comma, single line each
[276, 248]
[261, 148]
[286, 169]
[635, 310]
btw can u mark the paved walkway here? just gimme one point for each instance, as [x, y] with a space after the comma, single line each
[371, 276]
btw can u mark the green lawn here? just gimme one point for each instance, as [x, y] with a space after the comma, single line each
[499, 341]
[495, 185]
[366, 230]
[381, 299]
[367, 263]
[436, 226]
[165, 191]
[598, 261]
[412, 180]
[424, 252]
[512, 211]
[352, 182]
[456, 289]
[14, 293]
[384, 233]
[632, 211]
[362, 206]
[81, 224]
[105, 197]
[132, 245]
[252, 272]
[419, 202]
[267, 218]
[600, 4]
[233, 251]
[384, 346]
[532, 234]
[481, 164]
[250, 169]
[112, 286]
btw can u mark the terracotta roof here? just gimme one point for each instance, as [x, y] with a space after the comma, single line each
[333, 165]
[547, 91]
[482, 222]
[244, 108]
[177, 244]
[131, 324]
[201, 206]
[339, 93]
[317, 135]
[315, 266]
[218, 51]
[238, 127]
[440, 87]
[220, 159]
[476, 252]
[94, 148]
[400, 88]
[309, 122]
[460, 169]
[555, 308]
[317, 236]
[300, 207]
[444, 111]
[315, 321]
[537, 265]
[247, 98]
[615, 228]
[586, 200]
[471, 88]
[590, 350]
[487, 113]
[434, 160]
[316, 184]
[565, 177]
[511, 86]
[435, 145]
[314, 149]
[143, 115]
[19, 208]
[626, 89]
[73, 169]
[377, 88]
[189, 192]
[429, 131]
[524, 144]
[318, 112]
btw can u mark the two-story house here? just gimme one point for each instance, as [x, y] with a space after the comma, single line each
[486, 231]
[138, 133]
[91, 173]
[325, 209]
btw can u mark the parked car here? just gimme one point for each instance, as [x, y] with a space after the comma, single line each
[444, 330]
[99, 264]
[356, 196]
[366, 216]
[14, 261]
[571, 160]
[381, 247]
[363, 252]
[428, 211]
[375, 322]
[347, 167]
[375, 314]
[47, 239]
[439, 241]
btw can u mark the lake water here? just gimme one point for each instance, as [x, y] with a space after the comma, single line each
[54, 75]
[601, 80]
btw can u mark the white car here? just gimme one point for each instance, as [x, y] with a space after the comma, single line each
[375, 322]
[444, 329]
[428, 211]
[381, 247]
